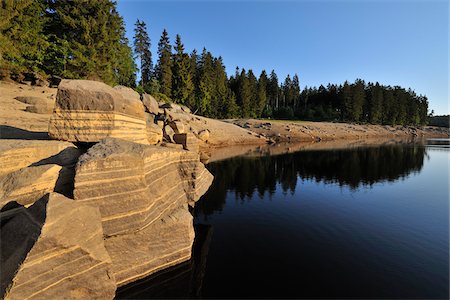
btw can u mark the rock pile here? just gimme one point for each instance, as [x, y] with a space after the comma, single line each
[79, 221]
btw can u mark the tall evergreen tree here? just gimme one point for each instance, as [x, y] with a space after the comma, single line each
[92, 36]
[375, 104]
[261, 96]
[358, 99]
[22, 41]
[142, 51]
[273, 90]
[182, 85]
[244, 95]
[205, 83]
[164, 65]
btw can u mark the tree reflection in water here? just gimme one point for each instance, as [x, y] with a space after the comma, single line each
[354, 167]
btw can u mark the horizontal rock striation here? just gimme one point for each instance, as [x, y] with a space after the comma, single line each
[27, 185]
[87, 111]
[54, 250]
[143, 182]
[142, 193]
[166, 242]
[17, 154]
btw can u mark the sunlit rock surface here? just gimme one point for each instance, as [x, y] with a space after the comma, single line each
[142, 193]
[17, 154]
[87, 111]
[164, 243]
[143, 182]
[55, 250]
[27, 185]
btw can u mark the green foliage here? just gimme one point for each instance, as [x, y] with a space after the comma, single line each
[22, 40]
[163, 68]
[182, 85]
[72, 39]
[86, 39]
[142, 50]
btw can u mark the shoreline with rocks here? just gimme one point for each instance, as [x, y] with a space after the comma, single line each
[97, 183]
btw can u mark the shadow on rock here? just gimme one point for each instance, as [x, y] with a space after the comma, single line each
[9, 132]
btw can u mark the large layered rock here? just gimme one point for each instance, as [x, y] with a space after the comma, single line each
[142, 182]
[166, 242]
[55, 250]
[142, 193]
[87, 111]
[17, 154]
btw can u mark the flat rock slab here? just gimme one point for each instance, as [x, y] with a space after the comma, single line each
[55, 250]
[27, 185]
[17, 154]
[87, 111]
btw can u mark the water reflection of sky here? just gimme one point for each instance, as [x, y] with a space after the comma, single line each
[303, 233]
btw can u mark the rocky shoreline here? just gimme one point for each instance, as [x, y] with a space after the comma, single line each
[103, 204]
[95, 190]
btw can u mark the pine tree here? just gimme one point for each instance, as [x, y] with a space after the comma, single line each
[345, 96]
[92, 36]
[244, 95]
[205, 83]
[221, 92]
[142, 51]
[182, 85]
[375, 104]
[295, 92]
[261, 99]
[164, 66]
[253, 86]
[358, 99]
[22, 41]
[273, 90]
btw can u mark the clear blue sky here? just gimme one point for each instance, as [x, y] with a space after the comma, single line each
[393, 42]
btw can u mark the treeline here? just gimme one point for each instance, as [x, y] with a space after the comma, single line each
[201, 82]
[440, 121]
[86, 39]
[71, 39]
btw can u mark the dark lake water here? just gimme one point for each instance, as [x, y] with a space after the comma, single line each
[368, 222]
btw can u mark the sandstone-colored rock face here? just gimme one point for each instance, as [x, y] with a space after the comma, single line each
[154, 132]
[188, 140]
[204, 135]
[142, 193]
[177, 126]
[55, 250]
[87, 111]
[150, 104]
[134, 185]
[27, 185]
[17, 154]
[40, 108]
[168, 133]
[166, 242]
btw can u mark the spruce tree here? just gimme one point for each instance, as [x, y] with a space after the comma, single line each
[142, 50]
[92, 34]
[22, 41]
[205, 83]
[261, 99]
[273, 90]
[345, 96]
[182, 85]
[244, 96]
[164, 66]
[358, 99]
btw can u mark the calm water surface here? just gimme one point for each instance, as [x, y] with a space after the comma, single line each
[369, 222]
